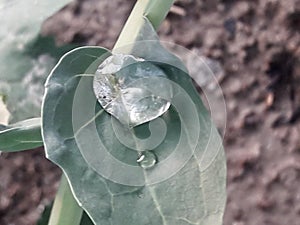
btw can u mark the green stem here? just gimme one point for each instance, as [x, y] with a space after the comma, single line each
[66, 210]
[154, 10]
[157, 10]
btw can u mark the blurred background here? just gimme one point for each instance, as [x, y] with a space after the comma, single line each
[257, 44]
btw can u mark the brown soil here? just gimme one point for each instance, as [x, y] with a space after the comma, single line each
[258, 44]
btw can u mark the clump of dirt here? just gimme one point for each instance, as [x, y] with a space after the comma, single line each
[258, 44]
[28, 184]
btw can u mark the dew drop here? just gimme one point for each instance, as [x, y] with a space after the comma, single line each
[124, 89]
[147, 160]
[140, 194]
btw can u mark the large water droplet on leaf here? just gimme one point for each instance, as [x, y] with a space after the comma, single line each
[147, 160]
[131, 89]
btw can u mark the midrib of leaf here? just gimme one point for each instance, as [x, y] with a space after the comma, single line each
[155, 198]
[156, 203]
[151, 190]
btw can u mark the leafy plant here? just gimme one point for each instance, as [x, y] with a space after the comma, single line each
[179, 181]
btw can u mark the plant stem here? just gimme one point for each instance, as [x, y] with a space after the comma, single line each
[154, 10]
[157, 11]
[66, 210]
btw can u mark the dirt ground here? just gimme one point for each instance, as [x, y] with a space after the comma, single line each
[258, 45]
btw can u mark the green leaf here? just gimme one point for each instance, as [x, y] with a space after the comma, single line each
[21, 136]
[186, 186]
[25, 59]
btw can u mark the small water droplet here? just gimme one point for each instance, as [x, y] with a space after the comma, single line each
[140, 194]
[147, 160]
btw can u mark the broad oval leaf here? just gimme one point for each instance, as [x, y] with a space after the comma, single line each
[26, 58]
[21, 136]
[99, 156]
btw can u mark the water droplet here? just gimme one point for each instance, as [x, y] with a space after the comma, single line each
[147, 160]
[140, 194]
[131, 89]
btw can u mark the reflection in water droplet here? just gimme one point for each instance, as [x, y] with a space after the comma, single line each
[147, 160]
[131, 89]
